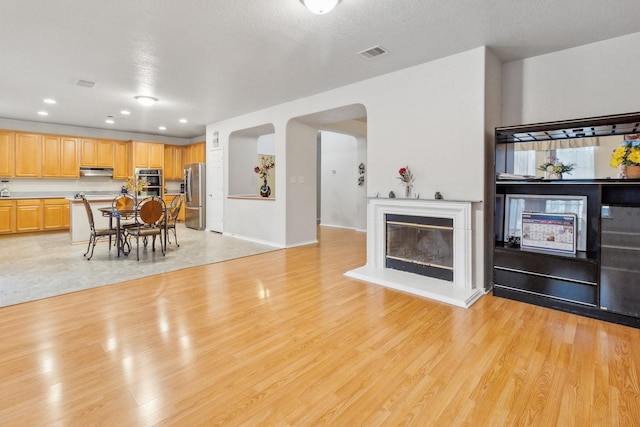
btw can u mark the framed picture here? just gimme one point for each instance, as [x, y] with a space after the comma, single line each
[549, 231]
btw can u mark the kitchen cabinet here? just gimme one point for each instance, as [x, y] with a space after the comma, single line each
[55, 214]
[59, 157]
[148, 155]
[28, 215]
[195, 153]
[7, 153]
[28, 155]
[122, 160]
[173, 163]
[169, 198]
[96, 152]
[7, 216]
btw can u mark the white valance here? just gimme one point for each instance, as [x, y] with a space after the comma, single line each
[557, 144]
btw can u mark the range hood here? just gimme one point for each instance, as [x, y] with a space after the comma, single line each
[108, 172]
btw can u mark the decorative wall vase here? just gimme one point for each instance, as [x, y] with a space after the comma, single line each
[633, 172]
[265, 190]
[555, 176]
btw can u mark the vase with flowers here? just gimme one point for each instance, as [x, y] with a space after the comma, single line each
[406, 178]
[627, 157]
[135, 186]
[266, 164]
[555, 168]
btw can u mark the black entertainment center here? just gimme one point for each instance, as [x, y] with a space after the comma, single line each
[600, 278]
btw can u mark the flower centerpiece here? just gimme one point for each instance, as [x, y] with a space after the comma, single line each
[555, 168]
[134, 186]
[266, 163]
[406, 178]
[627, 157]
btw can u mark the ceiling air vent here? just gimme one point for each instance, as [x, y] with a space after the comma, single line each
[372, 52]
[85, 83]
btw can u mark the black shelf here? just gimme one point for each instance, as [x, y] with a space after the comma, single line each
[587, 282]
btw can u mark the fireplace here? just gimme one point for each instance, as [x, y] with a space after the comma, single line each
[420, 244]
[423, 247]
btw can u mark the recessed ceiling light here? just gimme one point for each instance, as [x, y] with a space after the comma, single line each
[49, 101]
[110, 121]
[147, 101]
[125, 112]
[43, 113]
[183, 120]
[162, 127]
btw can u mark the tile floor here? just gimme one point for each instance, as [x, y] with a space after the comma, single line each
[35, 267]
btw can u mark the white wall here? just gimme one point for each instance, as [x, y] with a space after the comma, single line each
[431, 117]
[339, 175]
[592, 80]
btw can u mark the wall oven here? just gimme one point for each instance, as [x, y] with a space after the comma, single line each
[153, 178]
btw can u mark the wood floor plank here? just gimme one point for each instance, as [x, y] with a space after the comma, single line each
[285, 339]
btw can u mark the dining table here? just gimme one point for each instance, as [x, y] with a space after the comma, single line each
[120, 213]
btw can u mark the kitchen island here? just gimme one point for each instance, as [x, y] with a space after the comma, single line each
[79, 223]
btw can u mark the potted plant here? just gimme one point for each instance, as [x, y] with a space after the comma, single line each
[406, 177]
[555, 168]
[627, 157]
[266, 164]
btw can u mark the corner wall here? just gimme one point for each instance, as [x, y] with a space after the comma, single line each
[430, 117]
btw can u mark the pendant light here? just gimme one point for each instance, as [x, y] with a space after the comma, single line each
[320, 6]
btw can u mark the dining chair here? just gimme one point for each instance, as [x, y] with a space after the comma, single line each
[149, 222]
[96, 233]
[124, 202]
[172, 216]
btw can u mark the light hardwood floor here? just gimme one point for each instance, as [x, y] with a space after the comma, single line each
[284, 338]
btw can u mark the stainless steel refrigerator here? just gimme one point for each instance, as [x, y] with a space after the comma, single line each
[194, 195]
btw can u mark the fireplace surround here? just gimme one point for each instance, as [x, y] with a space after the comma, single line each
[455, 286]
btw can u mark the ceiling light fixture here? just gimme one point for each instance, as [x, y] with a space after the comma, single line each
[162, 127]
[147, 101]
[320, 6]
[125, 112]
[49, 101]
[110, 121]
[183, 120]
[43, 113]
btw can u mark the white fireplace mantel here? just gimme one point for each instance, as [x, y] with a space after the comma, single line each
[461, 291]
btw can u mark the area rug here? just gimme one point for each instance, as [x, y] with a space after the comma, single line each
[45, 265]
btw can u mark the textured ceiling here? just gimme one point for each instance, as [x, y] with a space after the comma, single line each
[208, 60]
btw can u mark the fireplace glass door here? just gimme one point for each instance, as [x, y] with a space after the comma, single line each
[421, 245]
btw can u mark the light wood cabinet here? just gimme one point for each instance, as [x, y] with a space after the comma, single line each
[59, 157]
[148, 155]
[169, 199]
[122, 160]
[173, 163]
[156, 156]
[7, 216]
[28, 155]
[28, 215]
[96, 152]
[7, 153]
[195, 153]
[55, 214]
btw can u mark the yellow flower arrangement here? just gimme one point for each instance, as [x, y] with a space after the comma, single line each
[628, 153]
[131, 184]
